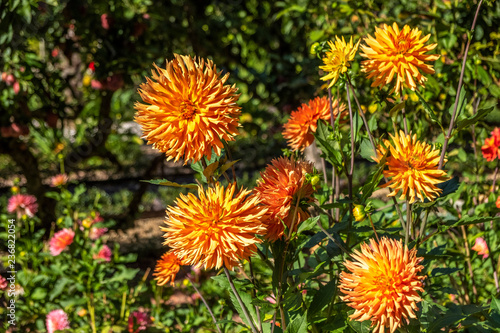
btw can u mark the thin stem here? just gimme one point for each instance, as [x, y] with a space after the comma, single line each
[206, 304]
[459, 88]
[403, 112]
[467, 256]
[408, 220]
[351, 170]
[373, 227]
[370, 135]
[334, 169]
[240, 302]
[228, 151]
[362, 114]
[495, 174]
[331, 237]
[252, 275]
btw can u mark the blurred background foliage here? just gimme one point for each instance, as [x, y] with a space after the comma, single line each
[71, 71]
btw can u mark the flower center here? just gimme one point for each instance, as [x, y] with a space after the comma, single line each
[403, 44]
[188, 110]
[385, 283]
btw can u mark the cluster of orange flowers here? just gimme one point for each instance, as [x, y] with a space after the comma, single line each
[189, 111]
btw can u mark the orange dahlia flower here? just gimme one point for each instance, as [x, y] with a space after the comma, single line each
[284, 183]
[413, 168]
[300, 128]
[383, 284]
[167, 268]
[491, 148]
[399, 53]
[217, 228]
[189, 110]
[481, 247]
[338, 59]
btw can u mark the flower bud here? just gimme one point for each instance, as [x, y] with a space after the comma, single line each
[359, 213]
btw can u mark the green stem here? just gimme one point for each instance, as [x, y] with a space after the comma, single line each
[240, 302]
[206, 304]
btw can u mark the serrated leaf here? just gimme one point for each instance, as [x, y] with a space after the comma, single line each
[322, 298]
[298, 325]
[58, 288]
[481, 113]
[444, 271]
[166, 182]
[396, 108]
[307, 224]
[428, 110]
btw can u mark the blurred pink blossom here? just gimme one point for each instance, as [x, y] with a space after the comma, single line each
[60, 241]
[16, 87]
[23, 204]
[3, 283]
[138, 321]
[104, 253]
[271, 299]
[58, 180]
[14, 130]
[106, 21]
[481, 247]
[57, 320]
[96, 233]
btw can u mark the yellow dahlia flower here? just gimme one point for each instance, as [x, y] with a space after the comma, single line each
[399, 53]
[217, 228]
[167, 268]
[188, 109]
[300, 128]
[383, 284]
[413, 168]
[283, 183]
[337, 59]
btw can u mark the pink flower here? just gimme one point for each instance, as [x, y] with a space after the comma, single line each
[23, 204]
[3, 283]
[481, 247]
[8, 78]
[138, 321]
[16, 87]
[14, 130]
[60, 241]
[96, 233]
[106, 21]
[58, 180]
[97, 85]
[55, 52]
[271, 299]
[57, 320]
[104, 253]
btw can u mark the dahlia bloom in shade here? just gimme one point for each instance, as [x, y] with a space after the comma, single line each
[167, 268]
[300, 128]
[138, 321]
[284, 183]
[338, 59]
[22, 204]
[481, 248]
[491, 147]
[188, 109]
[397, 54]
[412, 168]
[56, 320]
[104, 254]
[60, 241]
[217, 228]
[383, 284]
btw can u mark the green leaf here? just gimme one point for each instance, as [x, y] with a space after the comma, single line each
[166, 182]
[360, 326]
[307, 224]
[460, 105]
[39, 293]
[494, 315]
[428, 110]
[366, 149]
[324, 142]
[59, 287]
[125, 274]
[396, 108]
[467, 220]
[370, 186]
[322, 298]
[298, 325]
[481, 113]
[444, 271]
